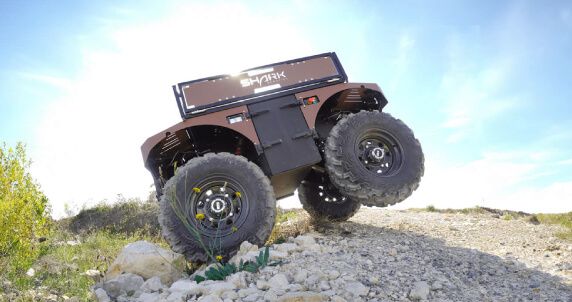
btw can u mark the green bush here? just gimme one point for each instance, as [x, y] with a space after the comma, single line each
[24, 213]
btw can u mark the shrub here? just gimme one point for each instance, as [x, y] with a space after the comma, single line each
[24, 213]
[125, 216]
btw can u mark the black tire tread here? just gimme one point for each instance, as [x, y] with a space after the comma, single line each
[349, 183]
[194, 252]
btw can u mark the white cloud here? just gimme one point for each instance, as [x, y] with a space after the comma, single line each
[58, 82]
[472, 97]
[87, 145]
[403, 59]
[497, 180]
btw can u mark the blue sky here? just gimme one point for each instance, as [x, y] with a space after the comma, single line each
[485, 85]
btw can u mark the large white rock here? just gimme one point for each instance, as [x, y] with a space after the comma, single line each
[147, 260]
[123, 284]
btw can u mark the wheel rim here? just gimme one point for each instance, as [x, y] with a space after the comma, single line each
[218, 205]
[325, 191]
[379, 152]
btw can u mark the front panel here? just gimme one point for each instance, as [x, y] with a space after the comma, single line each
[284, 136]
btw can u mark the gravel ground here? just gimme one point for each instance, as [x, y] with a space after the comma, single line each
[461, 257]
[386, 255]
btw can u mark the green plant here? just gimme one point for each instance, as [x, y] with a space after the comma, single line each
[24, 211]
[431, 208]
[221, 271]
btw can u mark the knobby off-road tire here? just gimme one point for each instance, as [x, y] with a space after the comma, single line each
[323, 201]
[374, 158]
[233, 197]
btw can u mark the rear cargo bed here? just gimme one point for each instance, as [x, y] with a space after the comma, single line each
[257, 84]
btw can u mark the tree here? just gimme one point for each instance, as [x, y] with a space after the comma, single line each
[24, 212]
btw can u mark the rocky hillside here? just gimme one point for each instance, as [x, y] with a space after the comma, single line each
[379, 255]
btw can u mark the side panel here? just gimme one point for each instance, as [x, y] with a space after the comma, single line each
[284, 135]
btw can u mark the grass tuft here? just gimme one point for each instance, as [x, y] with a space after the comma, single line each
[564, 219]
[289, 223]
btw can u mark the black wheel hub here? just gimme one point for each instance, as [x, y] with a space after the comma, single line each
[325, 190]
[379, 153]
[219, 206]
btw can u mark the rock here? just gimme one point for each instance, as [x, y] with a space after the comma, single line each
[279, 281]
[263, 285]
[210, 298]
[177, 297]
[218, 288]
[374, 280]
[247, 291]
[152, 284]
[333, 274]
[238, 279]
[392, 252]
[101, 295]
[72, 242]
[276, 255]
[270, 296]
[302, 297]
[232, 295]
[125, 284]
[187, 286]
[305, 240]
[249, 256]
[324, 285]
[337, 299]
[246, 247]
[149, 297]
[295, 287]
[31, 272]
[287, 247]
[301, 276]
[420, 291]
[147, 260]
[311, 281]
[93, 274]
[251, 298]
[356, 288]
[436, 285]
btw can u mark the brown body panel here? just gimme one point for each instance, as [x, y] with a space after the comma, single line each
[216, 119]
[325, 93]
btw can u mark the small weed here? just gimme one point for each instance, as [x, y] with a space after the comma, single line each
[431, 208]
[507, 217]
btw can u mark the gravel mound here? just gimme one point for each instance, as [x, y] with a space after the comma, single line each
[385, 255]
